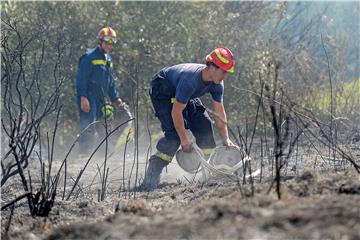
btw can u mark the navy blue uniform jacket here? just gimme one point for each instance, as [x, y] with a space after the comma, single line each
[95, 77]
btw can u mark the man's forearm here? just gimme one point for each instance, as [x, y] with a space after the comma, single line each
[220, 119]
[179, 125]
[221, 123]
[222, 126]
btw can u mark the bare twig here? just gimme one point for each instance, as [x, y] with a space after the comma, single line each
[93, 153]
[15, 200]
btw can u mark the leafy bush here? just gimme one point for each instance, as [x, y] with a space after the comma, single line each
[346, 101]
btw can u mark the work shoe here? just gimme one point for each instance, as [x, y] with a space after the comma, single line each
[152, 175]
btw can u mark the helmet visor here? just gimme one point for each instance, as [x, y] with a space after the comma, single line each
[109, 39]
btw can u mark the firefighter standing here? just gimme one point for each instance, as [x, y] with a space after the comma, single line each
[175, 93]
[94, 83]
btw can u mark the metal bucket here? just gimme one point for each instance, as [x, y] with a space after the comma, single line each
[190, 161]
[226, 157]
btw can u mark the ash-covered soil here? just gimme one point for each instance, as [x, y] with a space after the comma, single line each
[314, 205]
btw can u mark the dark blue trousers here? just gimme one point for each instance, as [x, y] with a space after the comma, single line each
[86, 141]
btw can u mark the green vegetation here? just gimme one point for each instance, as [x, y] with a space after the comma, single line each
[153, 35]
[346, 101]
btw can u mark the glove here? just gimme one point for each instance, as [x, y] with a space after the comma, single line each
[107, 111]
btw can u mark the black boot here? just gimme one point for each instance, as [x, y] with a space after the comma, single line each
[152, 175]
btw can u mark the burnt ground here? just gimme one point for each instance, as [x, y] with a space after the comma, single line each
[316, 203]
[312, 206]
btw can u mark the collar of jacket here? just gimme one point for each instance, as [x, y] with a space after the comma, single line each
[100, 49]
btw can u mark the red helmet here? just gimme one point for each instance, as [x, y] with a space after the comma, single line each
[223, 58]
[107, 34]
